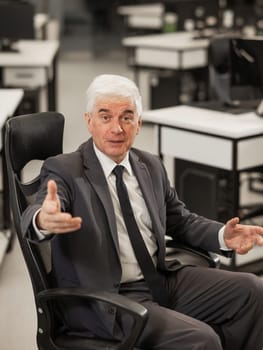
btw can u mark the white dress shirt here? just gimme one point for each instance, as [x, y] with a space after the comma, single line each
[130, 267]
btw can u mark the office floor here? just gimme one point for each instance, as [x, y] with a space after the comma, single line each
[81, 59]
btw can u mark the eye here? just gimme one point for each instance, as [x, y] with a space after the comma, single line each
[127, 119]
[105, 118]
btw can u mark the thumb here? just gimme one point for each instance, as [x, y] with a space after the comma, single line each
[51, 190]
[233, 222]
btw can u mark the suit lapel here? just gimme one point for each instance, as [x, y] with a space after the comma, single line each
[146, 186]
[95, 175]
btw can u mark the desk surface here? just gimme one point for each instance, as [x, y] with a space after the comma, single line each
[9, 101]
[172, 41]
[141, 10]
[206, 121]
[32, 53]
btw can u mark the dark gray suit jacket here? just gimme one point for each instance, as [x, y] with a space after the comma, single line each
[89, 257]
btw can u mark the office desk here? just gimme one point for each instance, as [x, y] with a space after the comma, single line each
[34, 66]
[168, 51]
[9, 101]
[221, 140]
[146, 16]
[176, 52]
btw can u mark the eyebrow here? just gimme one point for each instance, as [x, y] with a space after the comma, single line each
[108, 111]
[103, 110]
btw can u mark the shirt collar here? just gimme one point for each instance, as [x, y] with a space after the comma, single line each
[108, 164]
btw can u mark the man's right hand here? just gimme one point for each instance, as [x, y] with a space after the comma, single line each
[51, 218]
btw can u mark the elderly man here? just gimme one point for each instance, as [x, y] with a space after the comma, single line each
[106, 209]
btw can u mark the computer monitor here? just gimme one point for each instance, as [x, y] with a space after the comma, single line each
[244, 11]
[246, 69]
[16, 22]
[197, 13]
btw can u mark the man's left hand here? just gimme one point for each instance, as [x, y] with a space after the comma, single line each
[242, 238]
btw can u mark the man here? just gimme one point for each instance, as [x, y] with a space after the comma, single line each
[79, 208]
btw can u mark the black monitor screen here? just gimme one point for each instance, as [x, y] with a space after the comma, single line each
[246, 63]
[16, 21]
[195, 10]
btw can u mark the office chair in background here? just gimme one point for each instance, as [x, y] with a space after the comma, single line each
[222, 78]
[36, 137]
[219, 74]
[236, 100]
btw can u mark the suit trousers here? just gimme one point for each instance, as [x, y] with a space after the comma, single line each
[209, 309]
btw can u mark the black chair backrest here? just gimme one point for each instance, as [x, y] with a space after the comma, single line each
[219, 68]
[27, 138]
[36, 137]
[221, 73]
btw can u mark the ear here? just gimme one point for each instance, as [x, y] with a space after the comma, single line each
[139, 125]
[87, 119]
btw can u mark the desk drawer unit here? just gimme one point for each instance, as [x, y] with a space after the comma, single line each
[25, 77]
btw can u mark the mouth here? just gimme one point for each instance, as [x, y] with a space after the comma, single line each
[116, 142]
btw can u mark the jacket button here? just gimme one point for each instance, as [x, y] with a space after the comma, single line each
[111, 310]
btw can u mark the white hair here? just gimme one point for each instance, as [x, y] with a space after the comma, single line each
[106, 85]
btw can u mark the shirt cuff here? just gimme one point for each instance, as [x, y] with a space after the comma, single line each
[221, 240]
[41, 234]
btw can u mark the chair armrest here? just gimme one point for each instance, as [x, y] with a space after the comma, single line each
[186, 254]
[138, 312]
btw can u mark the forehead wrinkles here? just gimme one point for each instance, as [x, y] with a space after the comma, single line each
[116, 104]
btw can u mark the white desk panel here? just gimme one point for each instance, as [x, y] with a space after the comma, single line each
[145, 22]
[26, 76]
[250, 153]
[146, 16]
[168, 41]
[170, 59]
[141, 10]
[204, 149]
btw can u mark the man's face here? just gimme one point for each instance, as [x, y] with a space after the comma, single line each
[113, 125]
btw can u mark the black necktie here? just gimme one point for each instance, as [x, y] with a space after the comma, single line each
[154, 280]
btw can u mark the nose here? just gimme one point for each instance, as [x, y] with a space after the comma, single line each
[116, 126]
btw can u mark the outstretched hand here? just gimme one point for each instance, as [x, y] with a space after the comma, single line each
[51, 218]
[242, 238]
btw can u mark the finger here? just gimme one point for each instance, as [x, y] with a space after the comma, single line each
[62, 219]
[233, 222]
[242, 251]
[259, 240]
[52, 190]
[63, 226]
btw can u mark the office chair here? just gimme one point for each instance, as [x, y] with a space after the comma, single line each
[220, 68]
[233, 100]
[38, 136]
[218, 65]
